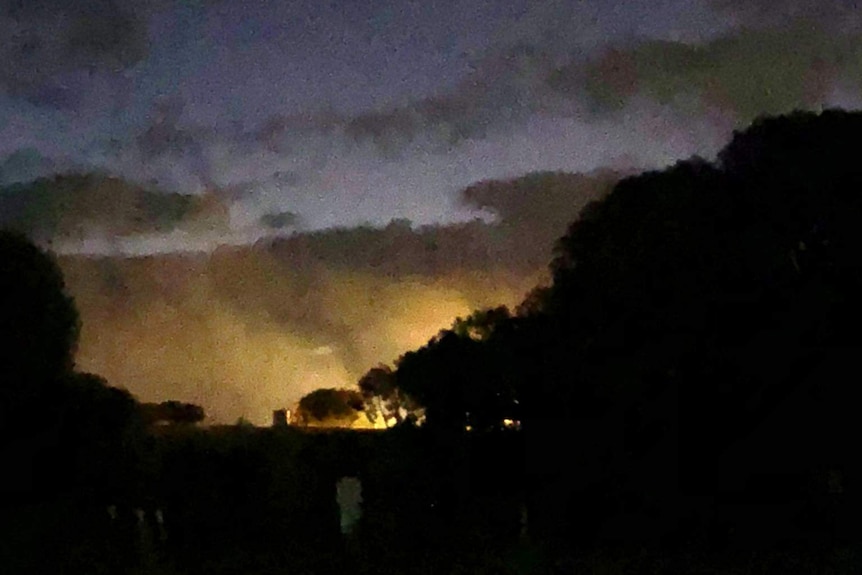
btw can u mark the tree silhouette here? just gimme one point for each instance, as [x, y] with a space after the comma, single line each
[330, 406]
[100, 440]
[458, 380]
[39, 327]
[171, 412]
[691, 304]
[480, 324]
[692, 310]
[383, 397]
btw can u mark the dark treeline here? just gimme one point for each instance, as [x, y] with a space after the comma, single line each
[72, 447]
[680, 391]
[686, 378]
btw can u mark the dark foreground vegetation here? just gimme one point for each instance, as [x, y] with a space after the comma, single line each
[684, 390]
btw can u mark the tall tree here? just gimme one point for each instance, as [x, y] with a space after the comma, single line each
[39, 327]
[382, 396]
[693, 304]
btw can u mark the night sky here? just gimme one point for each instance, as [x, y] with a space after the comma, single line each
[188, 131]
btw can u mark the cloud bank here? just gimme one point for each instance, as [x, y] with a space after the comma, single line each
[248, 329]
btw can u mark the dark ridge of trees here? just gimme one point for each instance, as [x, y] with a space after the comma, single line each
[692, 317]
[455, 381]
[52, 418]
[70, 443]
[101, 440]
[171, 413]
[698, 301]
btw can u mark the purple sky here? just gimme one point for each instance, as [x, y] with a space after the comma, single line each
[341, 112]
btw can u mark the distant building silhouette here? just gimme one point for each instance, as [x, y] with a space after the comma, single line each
[281, 418]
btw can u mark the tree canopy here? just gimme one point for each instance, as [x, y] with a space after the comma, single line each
[171, 412]
[687, 309]
[39, 324]
[330, 407]
[383, 397]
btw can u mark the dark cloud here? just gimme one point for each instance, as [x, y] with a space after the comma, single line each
[25, 165]
[746, 74]
[541, 199]
[289, 178]
[75, 207]
[836, 14]
[167, 139]
[535, 209]
[503, 90]
[43, 41]
[280, 221]
[391, 131]
[286, 134]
